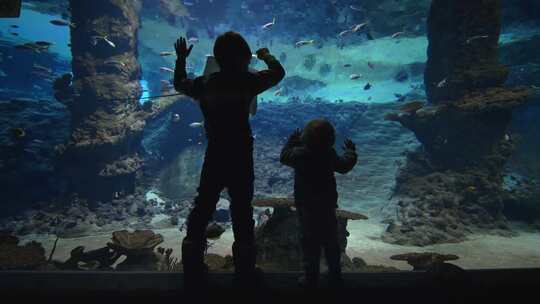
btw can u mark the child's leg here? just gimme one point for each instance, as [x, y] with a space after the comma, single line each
[240, 188]
[193, 245]
[332, 250]
[311, 245]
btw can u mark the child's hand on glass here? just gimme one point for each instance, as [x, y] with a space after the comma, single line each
[182, 51]
[261, 53]
[296, 135]
[349, 145]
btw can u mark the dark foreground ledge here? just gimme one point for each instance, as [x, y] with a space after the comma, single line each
[403, 287]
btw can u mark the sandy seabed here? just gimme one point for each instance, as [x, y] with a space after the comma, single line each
[479, 252]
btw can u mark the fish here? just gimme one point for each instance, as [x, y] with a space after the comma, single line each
[442, 83]
[175, 8]
[40, 68]
[176, 117]
[188, 3]
[104, 38]
[477, 37]
[193, 40]
[304, 42]
[18, 133]
[3, 74]
[355, 8]
[14, 34]
[343, 33]
[411, 107]
[471, 189]
[60, 22]
[367, 86]
[355, 76]
[370, 65]
[359, 27]
[165, 69]
[14, 26]
[278, 92]
[196, 124]
[269, 25]
[347, 65]
[397, 34]
[369, 98]
[166, 53]
[115, 62]
[507, 137]
[44, 43]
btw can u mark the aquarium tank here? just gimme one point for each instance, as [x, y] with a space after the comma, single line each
[101, 156]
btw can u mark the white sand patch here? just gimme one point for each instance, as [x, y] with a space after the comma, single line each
[479, 252]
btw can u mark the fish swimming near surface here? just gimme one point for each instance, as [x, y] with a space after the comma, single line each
[367, 86]
[397, 35]
[196, 124]
[355, 8]
[278, 92]
[347, 65]
[359, 27]
[176, 117]
[269, 25]
[355, 76]
[412, 107]
[3, 74]
[188, 3]
[193, 40]
[304, 42]
[166, 53]
[14, 34]
[14, 26]
[61, 22]
[165, 69]
[370, 65]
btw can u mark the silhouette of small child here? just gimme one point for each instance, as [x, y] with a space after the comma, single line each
[314, 160]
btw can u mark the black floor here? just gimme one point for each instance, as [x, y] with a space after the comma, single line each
[479, 286]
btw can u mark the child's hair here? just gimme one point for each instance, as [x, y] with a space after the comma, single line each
[232, 52]
[319, 134]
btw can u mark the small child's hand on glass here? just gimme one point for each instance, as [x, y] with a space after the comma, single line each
[296, 135]
[349, 145]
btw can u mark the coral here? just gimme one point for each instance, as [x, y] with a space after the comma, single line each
[424, 260]
[13, 256]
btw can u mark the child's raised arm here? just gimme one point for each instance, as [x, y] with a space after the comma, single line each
[347, 161]
[181, 83]
[270, 77]
[288, 154]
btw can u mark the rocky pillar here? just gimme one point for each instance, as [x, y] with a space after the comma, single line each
[452, 185]
[100, 158]
[463, 48]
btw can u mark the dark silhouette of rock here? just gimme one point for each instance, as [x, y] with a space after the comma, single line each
[107, 121]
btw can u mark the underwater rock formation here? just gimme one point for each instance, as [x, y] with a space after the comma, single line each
[452, 185]
[100, 157]
[463, 48]
[278, 248]
[21, 257]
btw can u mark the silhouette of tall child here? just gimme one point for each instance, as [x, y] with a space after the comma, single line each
[224, 98]
[314, 160]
